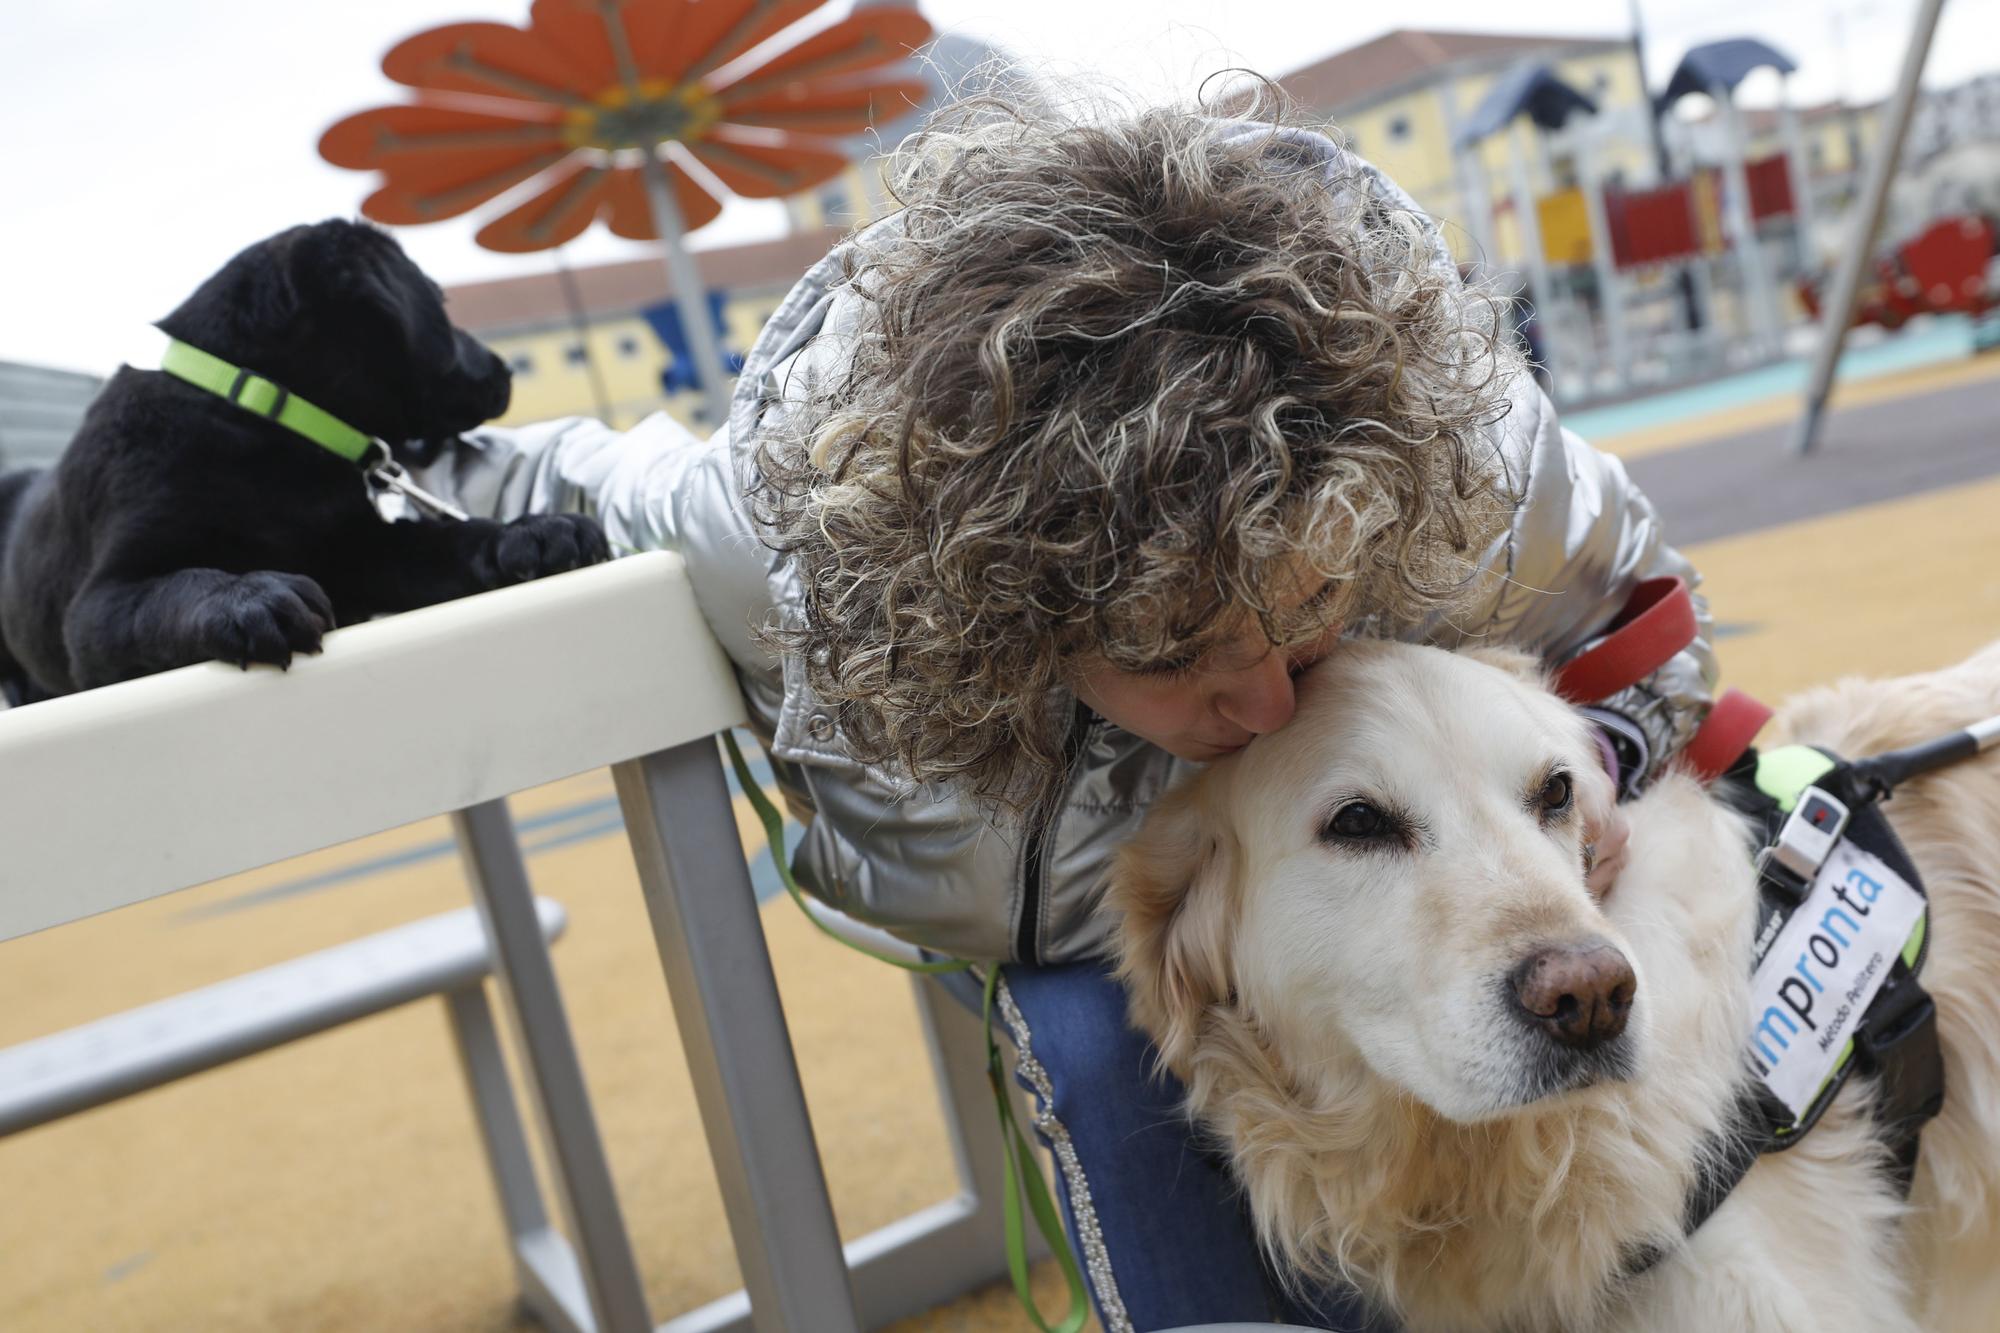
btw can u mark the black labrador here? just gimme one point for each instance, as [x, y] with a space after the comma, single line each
[181, 527]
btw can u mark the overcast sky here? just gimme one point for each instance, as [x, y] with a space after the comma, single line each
[147, 141]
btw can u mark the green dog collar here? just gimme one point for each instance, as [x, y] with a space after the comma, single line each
[254, 393]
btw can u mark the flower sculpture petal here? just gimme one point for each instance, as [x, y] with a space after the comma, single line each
[578, 100]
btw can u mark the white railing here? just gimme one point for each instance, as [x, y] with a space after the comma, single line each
[134, 791]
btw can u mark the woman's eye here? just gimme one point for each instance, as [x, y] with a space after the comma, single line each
[1556, 794]
[1358, 819]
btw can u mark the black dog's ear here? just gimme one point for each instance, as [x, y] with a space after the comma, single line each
[362, 269]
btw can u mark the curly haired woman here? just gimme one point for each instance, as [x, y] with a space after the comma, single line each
[1042, 490]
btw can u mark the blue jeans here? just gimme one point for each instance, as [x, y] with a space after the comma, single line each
[1176, 1234]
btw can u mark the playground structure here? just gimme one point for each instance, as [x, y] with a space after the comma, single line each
[1705, 261]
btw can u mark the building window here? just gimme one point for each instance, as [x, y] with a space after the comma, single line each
[628, 347]
[575, 355]
[521, 363]
[1399, 129]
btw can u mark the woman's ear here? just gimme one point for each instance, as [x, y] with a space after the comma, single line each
[1174, 899]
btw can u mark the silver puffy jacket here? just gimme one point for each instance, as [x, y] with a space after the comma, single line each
[931, 865]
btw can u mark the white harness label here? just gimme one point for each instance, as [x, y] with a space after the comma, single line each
[1820, 975]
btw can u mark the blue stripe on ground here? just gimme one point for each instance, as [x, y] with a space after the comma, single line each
[1946, 338]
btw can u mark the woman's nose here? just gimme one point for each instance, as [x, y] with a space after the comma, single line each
[1259, 698]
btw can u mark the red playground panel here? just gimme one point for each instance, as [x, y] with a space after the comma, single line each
[1942, 270]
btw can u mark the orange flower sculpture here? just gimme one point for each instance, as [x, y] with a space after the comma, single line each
[585, 100]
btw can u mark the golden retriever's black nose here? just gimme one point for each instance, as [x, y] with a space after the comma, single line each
[1578, 993]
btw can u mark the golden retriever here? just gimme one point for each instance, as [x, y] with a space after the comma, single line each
[1350, 941]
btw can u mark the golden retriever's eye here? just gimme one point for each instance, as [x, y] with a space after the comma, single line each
[1359, 820]
[1556, 794]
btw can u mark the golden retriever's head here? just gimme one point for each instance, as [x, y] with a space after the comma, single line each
[1394, 880]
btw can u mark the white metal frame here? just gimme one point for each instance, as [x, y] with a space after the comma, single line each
[208, 771]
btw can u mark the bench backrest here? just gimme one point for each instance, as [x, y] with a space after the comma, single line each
[125, 793]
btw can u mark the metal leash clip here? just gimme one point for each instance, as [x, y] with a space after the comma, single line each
[384, 473]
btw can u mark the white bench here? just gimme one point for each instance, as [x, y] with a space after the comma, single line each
[208, 771]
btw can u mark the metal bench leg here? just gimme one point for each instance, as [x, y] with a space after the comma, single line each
[725, 1001]
[526, 976]
[939, 1253]
[551, 1284]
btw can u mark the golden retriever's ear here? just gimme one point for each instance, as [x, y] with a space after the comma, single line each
[1522, 666]
[1173, 895]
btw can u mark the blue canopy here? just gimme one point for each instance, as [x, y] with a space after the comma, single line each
[1531, 88]
[1720, 66]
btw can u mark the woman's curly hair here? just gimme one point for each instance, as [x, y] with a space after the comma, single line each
[1120, 382]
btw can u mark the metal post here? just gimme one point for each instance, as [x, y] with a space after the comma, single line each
[552, 1284]
[554, 1076]
[739, 1054]
[1759, 294]
[580, 321]
[690, 297]
[1610, 289]
[1801, 171]
[1475, 208]
[1662, 160]
[1838, 309]
[1531, 241]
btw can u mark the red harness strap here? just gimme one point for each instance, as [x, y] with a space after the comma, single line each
[1724, 735]
[1657, 622]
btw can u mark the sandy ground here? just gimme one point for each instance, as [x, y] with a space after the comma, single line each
[335, 1183]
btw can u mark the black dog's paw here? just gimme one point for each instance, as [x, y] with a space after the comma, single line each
[265, 617]
[538, 545]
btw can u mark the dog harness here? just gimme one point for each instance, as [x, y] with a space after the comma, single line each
[1814, 805]
[1842, 922]
[275, 403]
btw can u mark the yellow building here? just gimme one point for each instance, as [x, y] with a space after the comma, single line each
[1402, 97]
[585, 347]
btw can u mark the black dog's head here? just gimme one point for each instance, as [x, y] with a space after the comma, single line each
[338, 314]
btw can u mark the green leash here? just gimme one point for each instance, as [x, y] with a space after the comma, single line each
[1024, 1176]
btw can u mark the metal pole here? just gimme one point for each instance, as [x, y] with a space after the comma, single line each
[1662, 158]
[1610, 288]
[1801, 165]
[1759, 294]
[1839, 307]
[739, 1053]
[1475, 208]
[581, 323]
[690, 297]
[1531, 244]
[551, 1070]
